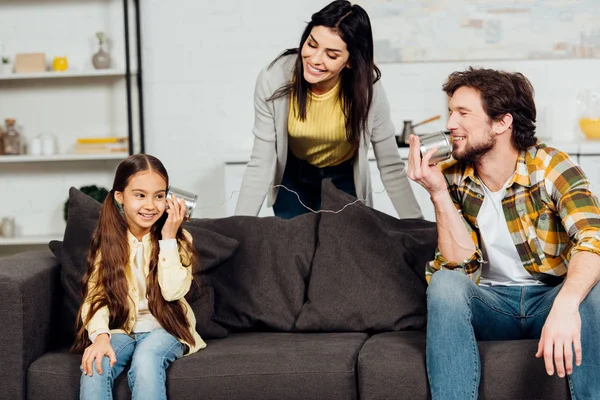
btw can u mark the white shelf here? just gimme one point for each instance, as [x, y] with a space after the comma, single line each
[62, 74]
[29, 240]
[62, 157]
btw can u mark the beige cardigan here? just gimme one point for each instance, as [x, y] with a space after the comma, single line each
[269, 155]
[173, 278]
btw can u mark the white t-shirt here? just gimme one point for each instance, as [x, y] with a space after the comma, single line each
[503, 266]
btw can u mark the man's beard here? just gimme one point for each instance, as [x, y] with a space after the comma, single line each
[473, 154]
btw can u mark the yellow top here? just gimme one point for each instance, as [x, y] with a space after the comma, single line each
[321, 138]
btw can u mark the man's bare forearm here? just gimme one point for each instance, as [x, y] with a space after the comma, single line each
[454, 241]
[582, 276]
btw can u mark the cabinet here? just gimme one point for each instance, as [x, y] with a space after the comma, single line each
[591, 167]
[79, 102]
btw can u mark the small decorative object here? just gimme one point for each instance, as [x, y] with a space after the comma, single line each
[60, 64]
[31, 62]
[95, 192]
[101, 59]
[35, 146]
[6, 67]
[1, 141]
[48, 144]
[588, 107]
[11, 139]
[8, 227]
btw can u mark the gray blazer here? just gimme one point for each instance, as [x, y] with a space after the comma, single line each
[269, 155]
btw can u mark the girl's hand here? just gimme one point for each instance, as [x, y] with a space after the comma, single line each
[177, 210]
[100, 348]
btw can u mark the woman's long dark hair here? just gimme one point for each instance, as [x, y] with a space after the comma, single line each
[352, 24]
[108, 258]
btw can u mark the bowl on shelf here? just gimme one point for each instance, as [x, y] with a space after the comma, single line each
[590, 127]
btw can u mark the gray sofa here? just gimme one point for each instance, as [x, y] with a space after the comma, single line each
[327, 306]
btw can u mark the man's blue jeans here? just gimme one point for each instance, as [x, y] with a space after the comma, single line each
[150, 354]
[460, 312]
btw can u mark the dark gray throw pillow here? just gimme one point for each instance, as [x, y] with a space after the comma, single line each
[262, 286]
[368, 273]
[84, 212]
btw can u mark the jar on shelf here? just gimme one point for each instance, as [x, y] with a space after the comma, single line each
[11, 139]
[1, 141]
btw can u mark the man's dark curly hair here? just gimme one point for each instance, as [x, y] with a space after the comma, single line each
[501, 93]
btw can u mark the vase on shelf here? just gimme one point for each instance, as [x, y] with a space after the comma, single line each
[11, 138]
[101, 60]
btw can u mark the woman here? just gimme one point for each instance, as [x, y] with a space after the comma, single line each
[316, 110]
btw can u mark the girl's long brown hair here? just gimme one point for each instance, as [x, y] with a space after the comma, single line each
[108, 258]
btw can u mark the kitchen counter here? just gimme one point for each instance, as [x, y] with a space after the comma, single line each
[579, 146]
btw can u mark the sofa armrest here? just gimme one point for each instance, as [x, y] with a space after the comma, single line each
[30, 294]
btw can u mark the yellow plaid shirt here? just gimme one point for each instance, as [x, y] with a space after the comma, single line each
[549, 208]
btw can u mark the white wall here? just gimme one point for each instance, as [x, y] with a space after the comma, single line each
[201, 59]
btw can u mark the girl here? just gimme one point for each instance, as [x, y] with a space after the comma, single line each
[140, 261]
[316, 109]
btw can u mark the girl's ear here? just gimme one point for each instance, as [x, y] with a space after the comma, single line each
[119, 197]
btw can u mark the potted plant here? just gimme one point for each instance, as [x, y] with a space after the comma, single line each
[6, 66]
[95, 192]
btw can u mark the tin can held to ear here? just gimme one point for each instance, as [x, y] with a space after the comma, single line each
[189, 198]
[439, 140]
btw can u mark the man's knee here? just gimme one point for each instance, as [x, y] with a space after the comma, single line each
[447, 287]
[590, 307]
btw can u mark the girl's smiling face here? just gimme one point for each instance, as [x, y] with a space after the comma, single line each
[144, 201]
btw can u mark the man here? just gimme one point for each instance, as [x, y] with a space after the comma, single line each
[520, 259]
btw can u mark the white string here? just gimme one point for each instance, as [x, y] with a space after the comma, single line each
[298, 196]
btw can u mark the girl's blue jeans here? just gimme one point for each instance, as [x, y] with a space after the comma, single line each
[460, 313]
[149, 354]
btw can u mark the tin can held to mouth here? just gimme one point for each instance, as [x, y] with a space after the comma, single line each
[189, 198]
[439, 140]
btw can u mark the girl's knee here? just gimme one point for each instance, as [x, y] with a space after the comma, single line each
[105, 369]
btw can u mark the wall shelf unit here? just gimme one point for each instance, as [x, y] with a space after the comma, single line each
[117, 73]
[79, 102]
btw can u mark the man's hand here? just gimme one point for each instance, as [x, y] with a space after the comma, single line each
[419, 170]
[561, 335]
[100, 348]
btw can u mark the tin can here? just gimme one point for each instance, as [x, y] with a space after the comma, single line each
[439, 140]
[189, 198]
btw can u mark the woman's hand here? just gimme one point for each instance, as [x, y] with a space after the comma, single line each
[177, 210]
[100, 348]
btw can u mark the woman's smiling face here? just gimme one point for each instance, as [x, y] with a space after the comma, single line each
[324, 56]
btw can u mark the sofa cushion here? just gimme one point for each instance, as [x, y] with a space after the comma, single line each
[244, 366]
[392, 365]
[263, 285]
[84, 212]
[368, 272]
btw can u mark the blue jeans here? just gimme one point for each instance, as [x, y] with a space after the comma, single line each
[150, 353]
[305, 179]
[460, 312]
